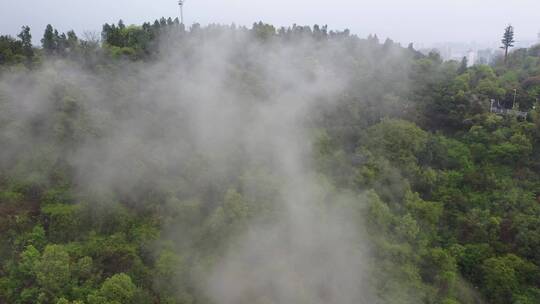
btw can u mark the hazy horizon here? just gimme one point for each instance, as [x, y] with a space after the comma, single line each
[419, 21]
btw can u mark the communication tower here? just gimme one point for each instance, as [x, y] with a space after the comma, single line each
[181, 4]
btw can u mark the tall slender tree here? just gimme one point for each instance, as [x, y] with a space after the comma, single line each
[463, 66]
[72, 40]
[508, 40]
[26, 38]
[48, 41]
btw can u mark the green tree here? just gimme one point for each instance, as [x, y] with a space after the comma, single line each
[463, 66]
[53, 270]
[26, 38]
[63, 221]
[118, 289]
[505, 276]
[49, 41]
[507, 41]
[10, 50]
[72, 39]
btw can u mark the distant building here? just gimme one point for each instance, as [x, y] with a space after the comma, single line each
[475, 52]
[485, 56]
[445, 51]
[471, 58]
[497, 108]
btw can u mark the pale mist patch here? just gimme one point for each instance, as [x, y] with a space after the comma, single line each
[152, 119]
[312, 252]
[305, 257]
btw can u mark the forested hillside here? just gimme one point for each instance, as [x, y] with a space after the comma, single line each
[231, 165]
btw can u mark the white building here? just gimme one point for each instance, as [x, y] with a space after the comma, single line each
[471, 58]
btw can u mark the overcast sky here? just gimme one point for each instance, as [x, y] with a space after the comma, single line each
[420, 21]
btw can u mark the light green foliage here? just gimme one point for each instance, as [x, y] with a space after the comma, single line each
[83, 268]
[504, 276]
[30, 259]
[489, 88]
[428, 214]
[11, 50]
[379, 213]
[440, 268]
[118, 289]
[399, 141]
[53, 271]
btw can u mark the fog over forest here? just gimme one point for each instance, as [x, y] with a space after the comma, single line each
[227, 164]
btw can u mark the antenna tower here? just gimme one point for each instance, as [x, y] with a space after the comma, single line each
[181, 4]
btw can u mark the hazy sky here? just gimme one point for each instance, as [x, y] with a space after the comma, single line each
[424, 21]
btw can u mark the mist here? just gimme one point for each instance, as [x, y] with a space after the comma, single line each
[146, 126]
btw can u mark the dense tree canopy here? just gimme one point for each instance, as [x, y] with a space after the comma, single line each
[448, 193]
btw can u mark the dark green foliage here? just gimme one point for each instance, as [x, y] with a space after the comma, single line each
[54, 43]
[49, 40]
[26, 39]
[11, 50]
[507, 40]
[463, 66]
